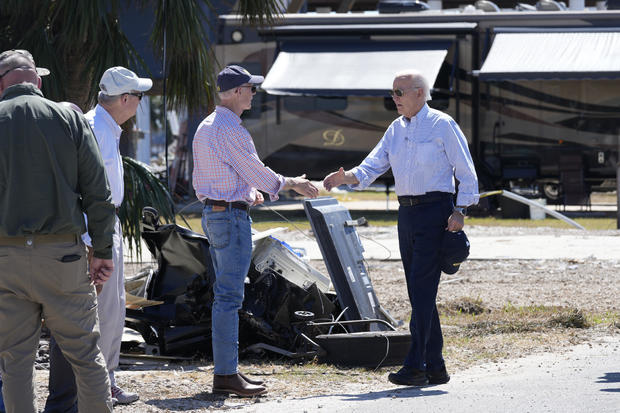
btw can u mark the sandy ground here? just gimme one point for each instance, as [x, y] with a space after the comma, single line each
[586, 284]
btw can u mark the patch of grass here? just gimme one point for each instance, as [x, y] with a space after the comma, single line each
[266, 219]
[473, 319]
[464, 305]
[573, 318]
[608, 318]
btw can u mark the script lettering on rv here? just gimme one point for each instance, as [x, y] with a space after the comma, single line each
[333, 137]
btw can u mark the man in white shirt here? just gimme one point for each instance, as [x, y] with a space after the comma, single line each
[120, 95]
[426, 150]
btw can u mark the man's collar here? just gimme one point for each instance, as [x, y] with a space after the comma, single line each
[109, 120]
[420, 115]
[422, 112]
[24, 88]
[223, 110]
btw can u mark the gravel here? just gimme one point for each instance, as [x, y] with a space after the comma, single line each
[590, 285]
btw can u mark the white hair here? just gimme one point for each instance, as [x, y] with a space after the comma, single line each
[104, 99]
[417, 80]
[227, 94]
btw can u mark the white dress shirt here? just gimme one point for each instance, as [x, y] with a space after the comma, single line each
[425, 154]
[108, 134]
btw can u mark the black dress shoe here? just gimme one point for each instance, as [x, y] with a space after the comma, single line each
[438, 376]
[408, 376]
[251, 381]
[235, 384]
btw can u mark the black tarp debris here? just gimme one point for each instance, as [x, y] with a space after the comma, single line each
[287, 306]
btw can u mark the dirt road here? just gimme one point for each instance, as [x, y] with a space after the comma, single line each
[491, 311]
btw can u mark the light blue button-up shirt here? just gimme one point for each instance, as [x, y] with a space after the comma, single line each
[425, 154]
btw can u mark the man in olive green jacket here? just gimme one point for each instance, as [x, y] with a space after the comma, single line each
[50, 172]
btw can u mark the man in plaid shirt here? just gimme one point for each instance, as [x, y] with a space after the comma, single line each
[227, 178]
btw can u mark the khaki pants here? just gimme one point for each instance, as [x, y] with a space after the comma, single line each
[111, 303]
[36, 284]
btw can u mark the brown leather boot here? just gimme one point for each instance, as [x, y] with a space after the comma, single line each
[256, 382]
[235, 384]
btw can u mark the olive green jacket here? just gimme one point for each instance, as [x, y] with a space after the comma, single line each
[51, 171]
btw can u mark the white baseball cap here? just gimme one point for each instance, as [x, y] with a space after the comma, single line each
[118, 80]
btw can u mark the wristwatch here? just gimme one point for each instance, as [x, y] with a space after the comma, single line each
[461, 209]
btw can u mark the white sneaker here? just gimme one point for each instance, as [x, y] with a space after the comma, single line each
[122, 396]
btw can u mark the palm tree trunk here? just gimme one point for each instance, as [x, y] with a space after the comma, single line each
[78, 81]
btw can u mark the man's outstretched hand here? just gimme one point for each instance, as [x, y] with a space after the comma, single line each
[259, 199]
[338, 178]
[302, 186]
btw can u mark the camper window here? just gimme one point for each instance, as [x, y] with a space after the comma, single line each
[312, 103]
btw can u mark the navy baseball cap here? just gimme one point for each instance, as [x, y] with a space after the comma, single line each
[233, 76]
[454, 250]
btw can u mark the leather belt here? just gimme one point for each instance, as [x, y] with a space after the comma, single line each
[30, 240]
[238, 205]
[412, 200]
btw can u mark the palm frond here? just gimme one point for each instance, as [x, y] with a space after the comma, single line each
[260, 12]
[189, 59]
[142, 188]
[120, 52]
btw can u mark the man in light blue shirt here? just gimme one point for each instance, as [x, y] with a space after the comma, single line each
[426, 150]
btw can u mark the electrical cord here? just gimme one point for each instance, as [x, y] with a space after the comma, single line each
[336, 321]
[183, 216]
[387, 351]
[289, 221]
[380, 244]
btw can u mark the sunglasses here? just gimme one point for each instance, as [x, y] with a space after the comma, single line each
[139, 95]
[252, 88]
[400, 92]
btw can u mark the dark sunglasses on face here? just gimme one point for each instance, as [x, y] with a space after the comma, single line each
[252, 88]
[400, 92]
[139, 95]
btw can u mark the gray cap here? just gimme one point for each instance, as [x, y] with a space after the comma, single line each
[7, 58]
[118, 80]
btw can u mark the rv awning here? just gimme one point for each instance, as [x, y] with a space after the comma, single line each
[553, 55]
[343, 69]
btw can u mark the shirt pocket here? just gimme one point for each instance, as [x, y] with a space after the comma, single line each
[427, 152]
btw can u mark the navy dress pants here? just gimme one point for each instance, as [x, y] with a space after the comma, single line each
[63, 391]
[420, 232]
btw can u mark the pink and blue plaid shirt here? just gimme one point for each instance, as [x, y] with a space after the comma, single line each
[226, 165]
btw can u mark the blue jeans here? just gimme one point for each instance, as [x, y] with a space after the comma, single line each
[230, 238]
[420, 232]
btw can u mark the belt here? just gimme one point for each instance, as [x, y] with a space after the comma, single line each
[117, 210]
[30, 240]
[412, 200]
[238, 205]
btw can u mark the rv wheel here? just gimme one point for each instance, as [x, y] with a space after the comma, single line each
[551, 191]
